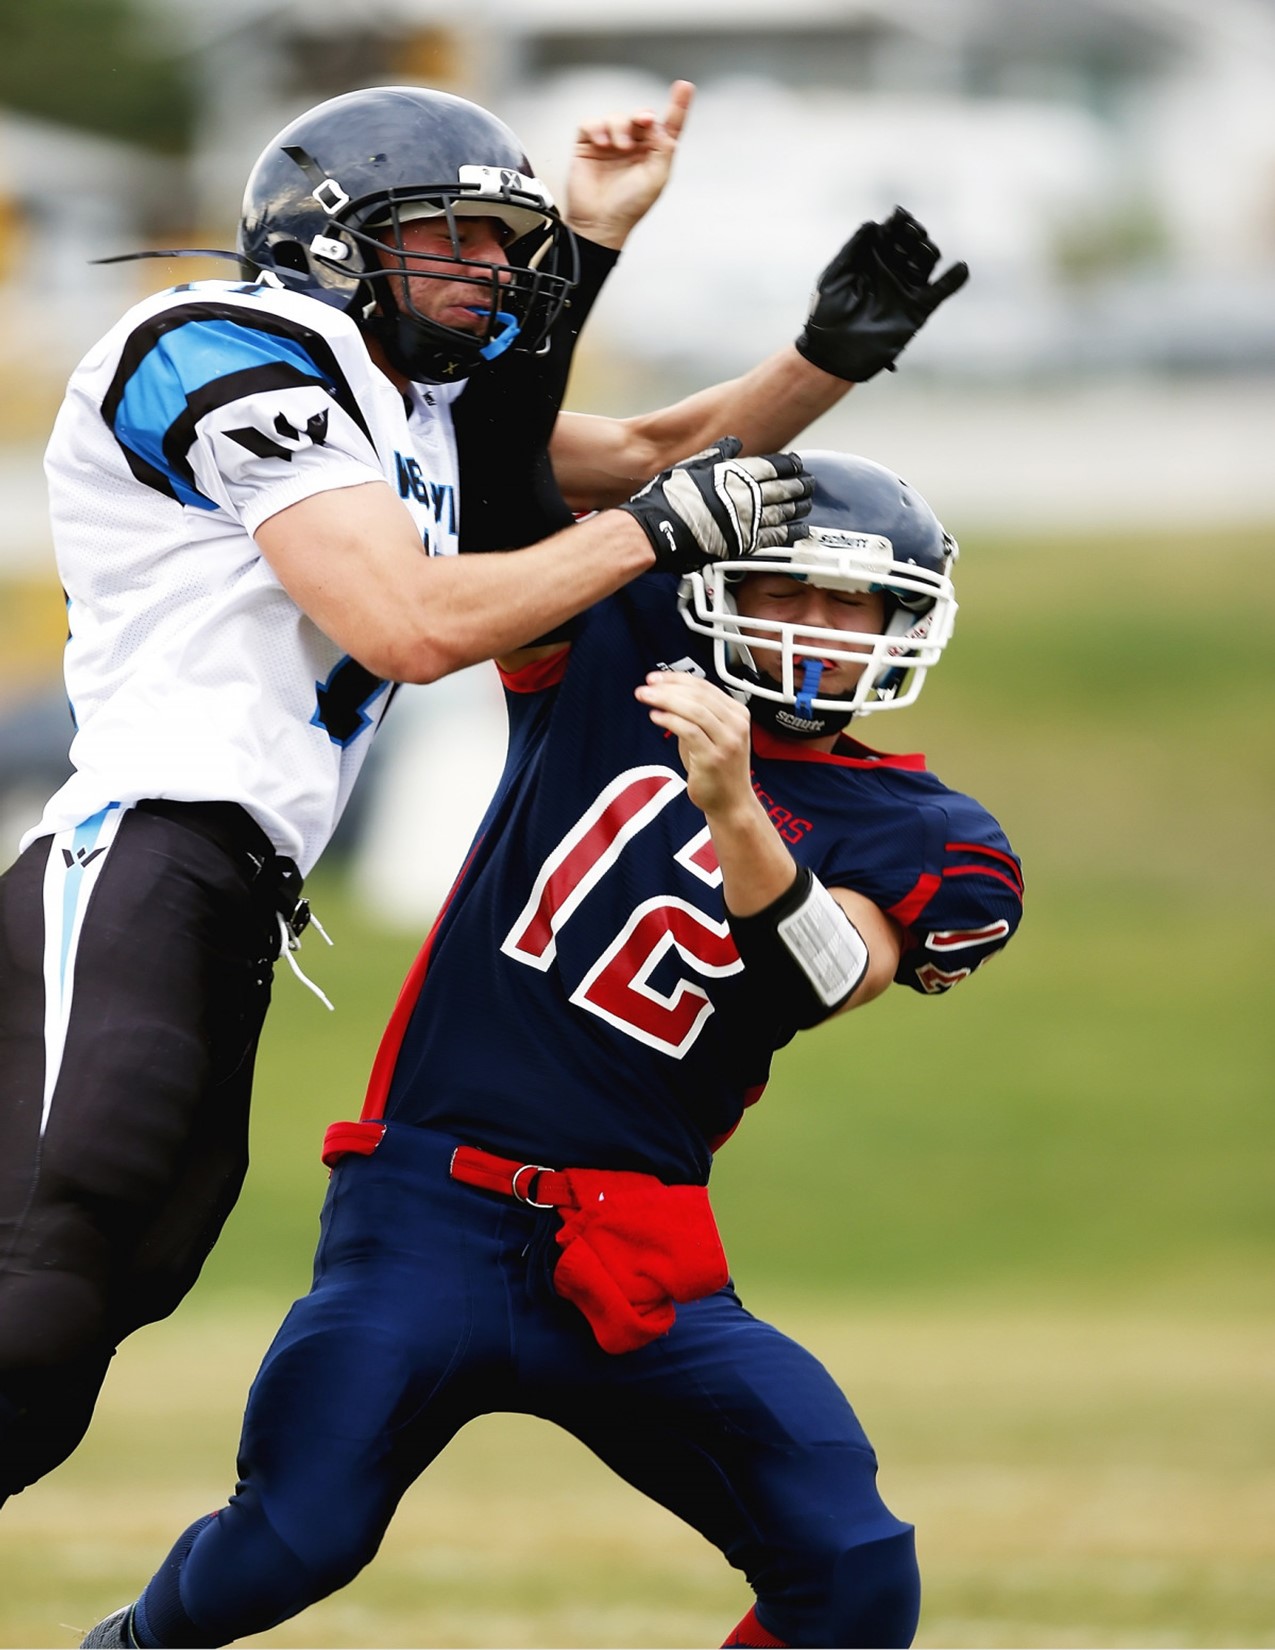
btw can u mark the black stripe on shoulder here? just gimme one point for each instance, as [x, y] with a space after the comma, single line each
[234, 386]
[147, 474]
[144, 337]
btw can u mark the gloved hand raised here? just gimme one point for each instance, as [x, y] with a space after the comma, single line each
[874, 297]
[718, 506]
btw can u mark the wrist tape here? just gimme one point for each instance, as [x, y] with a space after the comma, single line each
[802, 951]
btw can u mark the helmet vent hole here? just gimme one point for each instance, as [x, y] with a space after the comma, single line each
[291, 255]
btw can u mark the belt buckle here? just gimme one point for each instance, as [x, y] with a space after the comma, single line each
[533, 1169]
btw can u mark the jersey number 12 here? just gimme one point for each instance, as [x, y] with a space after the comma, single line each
[617, 987]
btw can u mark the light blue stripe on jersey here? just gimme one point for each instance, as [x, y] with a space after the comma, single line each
[180, 364]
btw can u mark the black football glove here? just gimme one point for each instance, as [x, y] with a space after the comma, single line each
[874, 296]
[717, 506]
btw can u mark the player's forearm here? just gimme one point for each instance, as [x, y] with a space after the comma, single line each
[756, 866]
[767, 407]
[351, 560]
[758, 871]
[471, 608]
[599, 462]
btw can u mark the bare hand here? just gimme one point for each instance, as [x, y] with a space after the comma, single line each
[713, 733]
[620, 166]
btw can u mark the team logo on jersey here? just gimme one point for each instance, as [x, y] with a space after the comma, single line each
[80, 856]
[262, 445]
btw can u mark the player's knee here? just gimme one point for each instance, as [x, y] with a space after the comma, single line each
[44, 1413]
[850, 1594]
[49, 1318]
[276, 1573]
[326, 1548]
[876, 1593]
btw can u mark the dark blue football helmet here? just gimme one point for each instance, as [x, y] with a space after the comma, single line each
[867, 530]
[331, 193]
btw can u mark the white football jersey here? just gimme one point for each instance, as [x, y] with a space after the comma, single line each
[192, 674]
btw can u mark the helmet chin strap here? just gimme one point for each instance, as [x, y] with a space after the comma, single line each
[428, 360]
[788, 722]
[417, 355]
[799, 720]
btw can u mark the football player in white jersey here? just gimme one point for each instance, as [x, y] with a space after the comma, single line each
[255, 490]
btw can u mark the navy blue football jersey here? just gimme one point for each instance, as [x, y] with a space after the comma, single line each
[580, 1000]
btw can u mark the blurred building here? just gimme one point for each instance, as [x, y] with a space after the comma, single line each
[1107, 166]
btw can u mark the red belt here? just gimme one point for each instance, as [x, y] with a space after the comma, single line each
[530, 1183]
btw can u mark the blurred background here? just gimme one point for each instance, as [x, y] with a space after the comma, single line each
[1107, 167]
[1029, 1226]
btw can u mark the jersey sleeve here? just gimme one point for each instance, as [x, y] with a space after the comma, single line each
[964, 908]
[947, 875]
[231, 407]
[504, 421]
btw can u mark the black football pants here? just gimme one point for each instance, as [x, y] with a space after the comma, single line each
[135, 964]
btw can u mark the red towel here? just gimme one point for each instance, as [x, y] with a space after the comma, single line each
[631, 1247]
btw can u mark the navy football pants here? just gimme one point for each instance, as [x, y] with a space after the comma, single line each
[432, 1303]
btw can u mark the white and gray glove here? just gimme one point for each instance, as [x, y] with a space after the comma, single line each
[717, 506]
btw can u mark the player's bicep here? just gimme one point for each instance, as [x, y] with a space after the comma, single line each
[350, 559]
[883, 938]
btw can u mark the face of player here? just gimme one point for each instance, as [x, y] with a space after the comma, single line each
[451, 302]
[775, 596]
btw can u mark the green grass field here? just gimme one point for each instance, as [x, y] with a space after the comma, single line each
[1029, 1226]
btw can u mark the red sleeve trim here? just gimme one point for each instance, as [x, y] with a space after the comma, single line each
[909, 908]
[1007, 860]
[1012, 883]
[539, 674]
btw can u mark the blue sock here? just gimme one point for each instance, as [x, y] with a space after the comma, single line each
[158, 1616]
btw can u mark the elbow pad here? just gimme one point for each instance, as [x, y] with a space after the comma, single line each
[803, 954]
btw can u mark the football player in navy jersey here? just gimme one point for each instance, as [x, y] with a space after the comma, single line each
[243, 478]
[687, 861]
